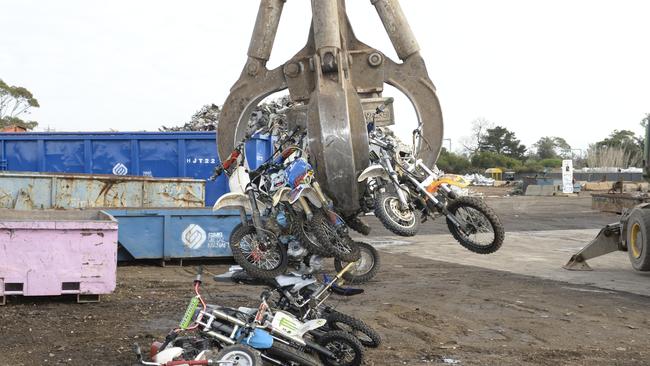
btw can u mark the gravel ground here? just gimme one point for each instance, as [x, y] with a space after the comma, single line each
[428, 312]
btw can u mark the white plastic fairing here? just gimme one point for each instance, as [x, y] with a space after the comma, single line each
[168, 355]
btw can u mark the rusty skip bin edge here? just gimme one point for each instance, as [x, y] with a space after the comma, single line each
[29, 191]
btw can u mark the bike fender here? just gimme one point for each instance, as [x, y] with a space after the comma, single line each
[233, 200]
[311, 195]
[373, 171]
[308, 193]
[282, 195]
[238, 180]
[450, 179]
[311, 325]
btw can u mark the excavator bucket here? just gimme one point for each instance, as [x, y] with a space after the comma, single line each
[607, 241]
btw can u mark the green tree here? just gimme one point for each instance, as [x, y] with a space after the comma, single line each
[453, 163]
[549, 147]
[624, 139]
[620, 149]
[501, 141]
[488, 159]
[15, 102]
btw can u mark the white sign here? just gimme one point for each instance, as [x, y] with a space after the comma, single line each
[216, 240]
[567, 176]
[194, 236]
[120, 169]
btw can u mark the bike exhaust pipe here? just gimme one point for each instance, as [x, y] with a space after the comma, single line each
[220, 337]
[318, 348]
[223, 316]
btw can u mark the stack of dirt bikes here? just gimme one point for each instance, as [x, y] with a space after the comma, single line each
[291, 326]
[287, 222]
[288, 227]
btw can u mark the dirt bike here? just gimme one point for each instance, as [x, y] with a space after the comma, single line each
[323, 231]
[384, 194]
[305, 298]
[179, 350]
[254, 245]
[471, 222]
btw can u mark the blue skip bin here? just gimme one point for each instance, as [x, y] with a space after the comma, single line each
[174, 233]
[153, 154]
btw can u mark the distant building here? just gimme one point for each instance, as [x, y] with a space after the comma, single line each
[13, 128]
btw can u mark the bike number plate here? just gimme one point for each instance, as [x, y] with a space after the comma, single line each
[189, 313]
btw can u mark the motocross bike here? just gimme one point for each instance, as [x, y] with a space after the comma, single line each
[254, 245]
[323, 231]
[384, 192]
[471, 222]
[303, 297]
[179, 350]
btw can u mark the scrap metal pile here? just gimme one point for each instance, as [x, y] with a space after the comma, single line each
[207, 118]
[333, 161]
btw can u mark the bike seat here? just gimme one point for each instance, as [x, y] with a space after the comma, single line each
[293, 282]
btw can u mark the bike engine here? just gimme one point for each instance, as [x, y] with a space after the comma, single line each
[311, 265]
[295, 250]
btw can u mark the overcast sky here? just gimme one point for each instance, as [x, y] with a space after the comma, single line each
[571, 68]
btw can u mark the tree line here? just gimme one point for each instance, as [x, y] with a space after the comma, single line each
[492, 146]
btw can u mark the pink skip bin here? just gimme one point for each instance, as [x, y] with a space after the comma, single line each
[48, 253]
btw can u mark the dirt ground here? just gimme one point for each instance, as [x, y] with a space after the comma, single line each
[428, 312]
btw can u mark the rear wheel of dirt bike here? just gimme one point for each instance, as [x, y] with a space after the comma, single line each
[638, 247]
[346, 347]
[365, 268]
[362, 331]
[238, 354]
[287, 353]
[264, 259]
[388, 211]
[304, 230]
[336, 240]
[484, 234]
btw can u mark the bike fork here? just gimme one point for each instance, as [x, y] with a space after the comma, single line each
[393, 177]
[257, 219]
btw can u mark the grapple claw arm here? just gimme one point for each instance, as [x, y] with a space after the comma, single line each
[333, 75]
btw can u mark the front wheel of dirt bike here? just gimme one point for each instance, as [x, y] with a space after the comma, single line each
[364, 333]
[484, 232]
[265, 259]
[365, 268]
[287, 353]
[389, 211]
[338, 242]
[346, 347]
[238, 354]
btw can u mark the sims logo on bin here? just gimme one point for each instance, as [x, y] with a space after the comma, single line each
[194, 236]
[120, 169]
